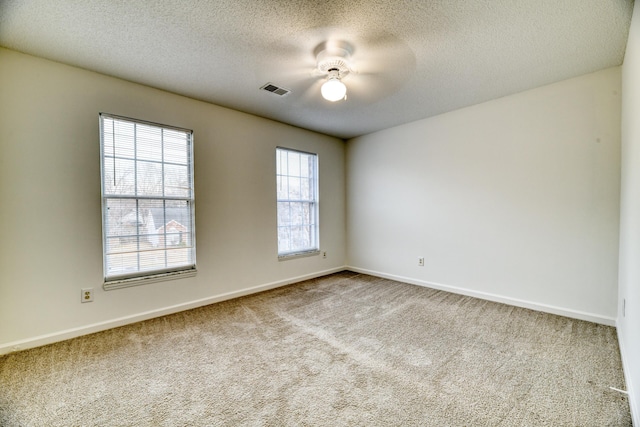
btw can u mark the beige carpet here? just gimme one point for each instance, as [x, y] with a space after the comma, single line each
[342, 350]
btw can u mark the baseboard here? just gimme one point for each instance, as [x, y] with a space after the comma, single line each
[634, 400]
[574, 314]
[122, 321]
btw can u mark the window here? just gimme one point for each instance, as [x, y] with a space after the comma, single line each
[147, 201]
[297, 182]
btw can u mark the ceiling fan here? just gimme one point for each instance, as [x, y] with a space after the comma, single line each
[338, 64]
[333, 61]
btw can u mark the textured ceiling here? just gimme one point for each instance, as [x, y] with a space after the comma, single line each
[414, 59]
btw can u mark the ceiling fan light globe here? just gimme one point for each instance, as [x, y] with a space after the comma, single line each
[333, 90]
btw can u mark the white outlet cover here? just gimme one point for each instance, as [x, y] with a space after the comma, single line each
[86, 295]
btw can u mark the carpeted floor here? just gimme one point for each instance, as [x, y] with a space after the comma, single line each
[342, 350]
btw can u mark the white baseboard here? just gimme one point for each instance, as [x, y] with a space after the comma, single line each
[634, 400]
[138, 317]
[574, 314]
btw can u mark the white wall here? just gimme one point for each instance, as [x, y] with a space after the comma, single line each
[50, 220]
[515, 200]
[629, 287]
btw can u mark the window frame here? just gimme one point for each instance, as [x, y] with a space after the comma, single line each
[314, 249]
[139, 277]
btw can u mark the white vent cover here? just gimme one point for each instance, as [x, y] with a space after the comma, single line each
[270, 87]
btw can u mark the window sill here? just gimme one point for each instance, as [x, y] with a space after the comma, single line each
[298, 255]
[144, 280]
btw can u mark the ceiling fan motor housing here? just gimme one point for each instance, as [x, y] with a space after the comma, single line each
[334, 57]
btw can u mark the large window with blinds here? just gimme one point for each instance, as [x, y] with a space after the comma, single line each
[147, 201]
[297, 199]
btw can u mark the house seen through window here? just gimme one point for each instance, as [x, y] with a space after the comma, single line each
[147, 198]
[297, 198]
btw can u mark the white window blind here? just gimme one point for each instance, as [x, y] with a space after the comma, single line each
[147, 198]
[297, 199]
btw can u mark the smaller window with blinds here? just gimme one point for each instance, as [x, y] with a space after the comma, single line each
[147, 201]
[297, 200]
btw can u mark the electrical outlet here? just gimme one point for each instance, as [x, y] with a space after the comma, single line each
[421, 262]
[324, 254]
[86, 295]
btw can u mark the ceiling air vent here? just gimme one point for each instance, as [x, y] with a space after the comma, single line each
[270, 87]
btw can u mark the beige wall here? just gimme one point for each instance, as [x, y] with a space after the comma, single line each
[50, 219]
[629, 290]
[514, 200]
